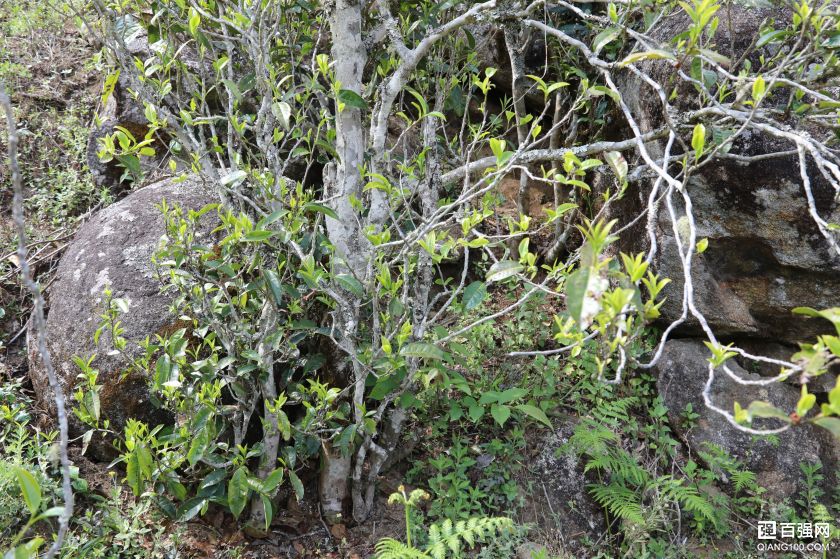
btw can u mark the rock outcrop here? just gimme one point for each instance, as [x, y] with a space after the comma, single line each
[113, 249]
[766, 255]
[560, 503]
[682, 373]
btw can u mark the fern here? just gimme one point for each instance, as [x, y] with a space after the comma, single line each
[690, 498]
[389, 548]
[616, 411]
[743, 479]
[619, 464]
[619, 501]
[444, 538]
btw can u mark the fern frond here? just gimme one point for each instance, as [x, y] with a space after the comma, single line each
[389, 548]
[447, 537]
[742, 479]
[696, 503]
[619, 464]
[619, 501]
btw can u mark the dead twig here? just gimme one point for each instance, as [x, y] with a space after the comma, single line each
[39, 323]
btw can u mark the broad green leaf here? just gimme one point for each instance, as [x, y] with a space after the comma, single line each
[770, 36]
[297, 485]
[30, 488]
[604, 38]
[423, 350]
[283, 112]
[698, 140]
[576, 286]
[268, 510]
[500, 413]
[259, 235]
[510, 395]
[502, 270]
[238, 491]
[195, 21]
[535, 412]
[327, 211]
[702, 245]
[352, 99]
[766, 409]
[474, 295]
[285, 425]
[197, 447]
[273, 480]
[758, 89]
[617, 163]
[133, 473]
[234, 179]
[274, 284]
[806, 402]
[830, 423]
[190, 508]
[52, 512]
[497, 146]
[351, 284]
[647, 55]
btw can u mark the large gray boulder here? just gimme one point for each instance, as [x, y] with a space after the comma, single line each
[766, 255]
[682, 373]
[113, 249]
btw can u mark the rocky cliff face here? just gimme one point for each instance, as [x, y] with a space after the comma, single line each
[766, 255]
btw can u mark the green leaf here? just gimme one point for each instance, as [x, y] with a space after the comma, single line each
[274, 479]
[500, 413]
[702, 245]
[576, 286]
[134, 473]
[274, 284]
[197, 447]
[351, 284]
[352, 99]
[285, 425]
[190, 508]
[698, 140]
[30, 489]
[758, 89]
[259, 235]
[770, 36]
[510, 395]
[238, 491]
[475, 412]
[296, 485]
[195, 20]
[806, 402]
[502, 270]
[327, 211]
[766, 409]
[497, 146]
[830, 423]
[535, 412]
[474, 295]
[647, 55]
[617, 163]
[234, 179]
[268, 510]
[423, 350]
[604, 38]
[283, 112]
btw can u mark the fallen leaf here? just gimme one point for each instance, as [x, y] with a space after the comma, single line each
[339, 531]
